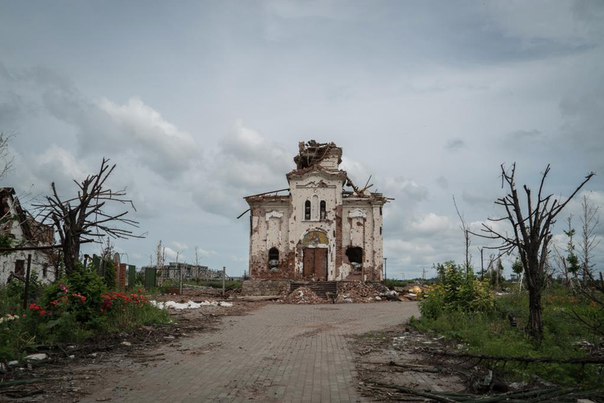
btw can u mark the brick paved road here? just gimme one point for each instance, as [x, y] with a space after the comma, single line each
[278, 353]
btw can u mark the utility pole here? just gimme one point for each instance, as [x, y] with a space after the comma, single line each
[223, 280]
[481, 264]
[27, 278]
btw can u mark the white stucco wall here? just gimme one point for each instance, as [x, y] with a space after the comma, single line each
[314, 188]
[39, 260]
[281, 222]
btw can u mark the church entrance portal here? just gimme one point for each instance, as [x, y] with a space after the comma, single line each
[315, 263]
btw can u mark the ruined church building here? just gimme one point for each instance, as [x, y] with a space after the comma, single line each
[324, 229]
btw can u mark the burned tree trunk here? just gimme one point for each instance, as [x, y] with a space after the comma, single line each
[83, 218]
[531, 234]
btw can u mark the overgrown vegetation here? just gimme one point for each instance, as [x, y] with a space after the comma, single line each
[74, 309]
[464, 310]
[391, 283]
[172, 286]
[457, 291]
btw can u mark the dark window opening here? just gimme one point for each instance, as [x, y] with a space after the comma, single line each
[20, 267]
[45, 270]
[380, 211]
[307, 210]
[273, 259]
[322, 210]
[355, 256]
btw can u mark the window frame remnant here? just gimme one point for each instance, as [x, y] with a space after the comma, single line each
[307, 210]
[355, 257]
[273, 259]
[20, 267]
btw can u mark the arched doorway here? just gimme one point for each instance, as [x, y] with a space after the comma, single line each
[315, 255]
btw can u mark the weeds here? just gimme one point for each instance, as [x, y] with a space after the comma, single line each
[72, 310]
[493, 333]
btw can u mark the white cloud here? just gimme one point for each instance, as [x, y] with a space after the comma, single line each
[357, 172]
[407, 189]
[431, 223]
[245, 163]
[404, 247]
[60, 166]
[160, 145]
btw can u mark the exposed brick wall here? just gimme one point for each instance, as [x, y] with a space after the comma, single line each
[122, 271]
[265, 287]
[259, 269]
[339, 248]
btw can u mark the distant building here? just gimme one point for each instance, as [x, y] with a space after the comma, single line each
[19, 230]
[319, 230]
[188, 271]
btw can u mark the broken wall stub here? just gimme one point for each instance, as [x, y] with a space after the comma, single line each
[265, 287]
[19, 229]
[313, 232]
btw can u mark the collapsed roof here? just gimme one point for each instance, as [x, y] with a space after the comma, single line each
[311, 153]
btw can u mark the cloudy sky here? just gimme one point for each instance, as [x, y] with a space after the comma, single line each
[200, 103]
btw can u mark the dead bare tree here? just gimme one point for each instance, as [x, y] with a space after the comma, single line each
[531, 234]
[84, 218]
[466, 233]
[6, 159]
[589, 241]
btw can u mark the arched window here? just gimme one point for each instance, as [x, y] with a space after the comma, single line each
[273, 258]
[307, 210]
[322, 210]
[355, 256]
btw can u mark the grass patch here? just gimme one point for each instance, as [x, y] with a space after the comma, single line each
[491, 334]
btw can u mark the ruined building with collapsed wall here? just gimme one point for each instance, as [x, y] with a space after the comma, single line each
[324, 229]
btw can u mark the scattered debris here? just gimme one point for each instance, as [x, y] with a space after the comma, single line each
[36, 357]
[348, 292]
[412, 292]
[303, 295]
[69, 371]
[189, 304]
[356, 291]
[399, 364]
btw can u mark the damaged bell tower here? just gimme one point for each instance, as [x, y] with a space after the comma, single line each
[324, 229]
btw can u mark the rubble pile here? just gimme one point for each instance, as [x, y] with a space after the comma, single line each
[360, 292]
[303, 295]
[412, 292]
[188, 304]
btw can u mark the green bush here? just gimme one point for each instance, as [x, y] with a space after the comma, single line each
[16, 289]
[129, 311]
[457, 290]
[80, 294]
[72, 310]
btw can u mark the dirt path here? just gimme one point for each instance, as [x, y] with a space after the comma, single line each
[276, 353]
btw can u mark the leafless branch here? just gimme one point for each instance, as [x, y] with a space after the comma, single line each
[84, 218]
